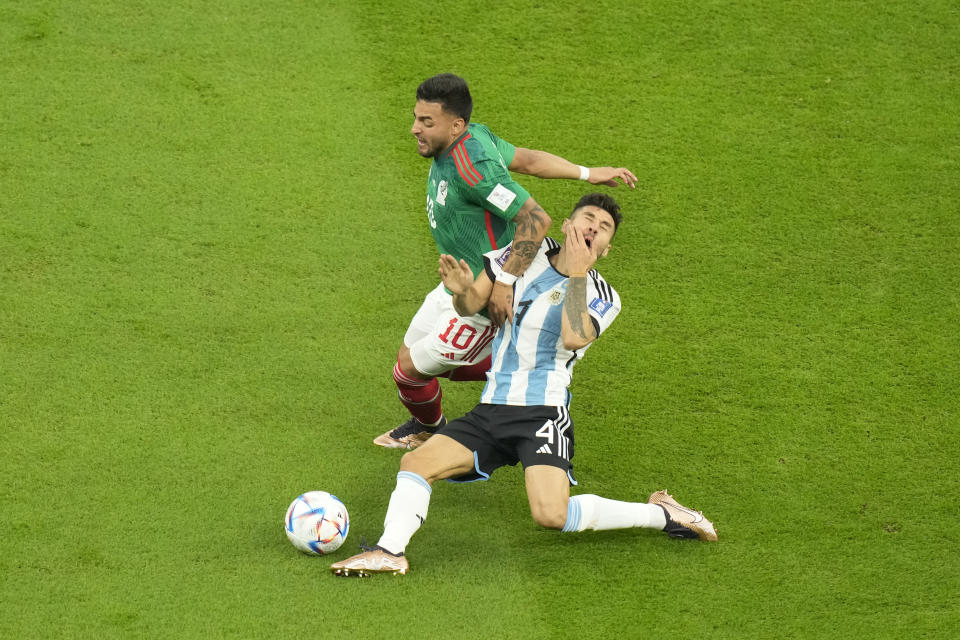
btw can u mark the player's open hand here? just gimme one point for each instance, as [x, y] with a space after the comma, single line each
[609, 176]
[580, 257]
[456, 276]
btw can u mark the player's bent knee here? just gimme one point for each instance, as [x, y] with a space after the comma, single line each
[550, 517]
[439, 458]
[412, 461]
[407, 368]
[420, 462]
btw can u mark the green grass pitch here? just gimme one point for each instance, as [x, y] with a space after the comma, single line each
[212, 237]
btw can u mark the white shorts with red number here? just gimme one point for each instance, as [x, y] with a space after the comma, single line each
[440, 340]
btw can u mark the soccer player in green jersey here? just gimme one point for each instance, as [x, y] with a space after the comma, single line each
[473, 206]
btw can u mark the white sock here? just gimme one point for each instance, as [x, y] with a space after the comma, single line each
[407, 511]
[593, 512]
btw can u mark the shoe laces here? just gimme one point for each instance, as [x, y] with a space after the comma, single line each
[364, 546]
[408, 428]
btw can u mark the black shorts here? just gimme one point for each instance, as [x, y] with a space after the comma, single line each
[501, 435]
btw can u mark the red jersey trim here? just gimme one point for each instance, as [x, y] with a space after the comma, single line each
[487, 220]
[465, 167]
[466, 156]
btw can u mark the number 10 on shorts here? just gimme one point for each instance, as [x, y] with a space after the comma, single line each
[462, 338]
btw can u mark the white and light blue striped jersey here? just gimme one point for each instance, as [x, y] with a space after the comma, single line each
[530, 364]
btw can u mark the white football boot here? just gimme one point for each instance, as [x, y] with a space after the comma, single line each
[683, 522]
[372, 560]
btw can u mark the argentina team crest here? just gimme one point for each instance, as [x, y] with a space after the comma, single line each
[555, 297]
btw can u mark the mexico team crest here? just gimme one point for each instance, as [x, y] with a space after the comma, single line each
[442, 193]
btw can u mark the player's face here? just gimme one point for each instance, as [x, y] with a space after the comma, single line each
[434, 128]
[596, 225]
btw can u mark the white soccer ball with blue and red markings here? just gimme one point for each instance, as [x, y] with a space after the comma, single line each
[317, 523]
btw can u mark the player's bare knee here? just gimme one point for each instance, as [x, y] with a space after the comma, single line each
[412, 461]
[550, 517]
[403, 359]
[421, 463]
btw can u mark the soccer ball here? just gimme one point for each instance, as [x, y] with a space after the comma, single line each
[317, 523]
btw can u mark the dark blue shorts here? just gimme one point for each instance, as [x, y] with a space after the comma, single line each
[501, 435]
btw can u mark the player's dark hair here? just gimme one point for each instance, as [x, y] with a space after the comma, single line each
[450, 91]
[603, 201]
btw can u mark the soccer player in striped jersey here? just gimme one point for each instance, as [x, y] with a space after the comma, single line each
[473, 206]
[561, 306]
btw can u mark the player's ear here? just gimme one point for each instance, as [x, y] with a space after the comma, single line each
[563, 225]
[605, 251]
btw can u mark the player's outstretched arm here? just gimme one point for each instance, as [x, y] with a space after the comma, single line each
[469, 295]
[542, 164]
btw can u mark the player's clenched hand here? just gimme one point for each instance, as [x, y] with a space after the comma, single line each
[457, 276]
[500, 305]
[610, 175]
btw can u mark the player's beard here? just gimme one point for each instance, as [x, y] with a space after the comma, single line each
[430, 149]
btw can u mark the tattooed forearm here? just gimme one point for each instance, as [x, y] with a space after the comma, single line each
[575, 308]
[521, 256]
[532, 225]
[532, 222]
[525, 249]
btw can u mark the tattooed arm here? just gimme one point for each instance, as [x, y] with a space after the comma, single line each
[532, 225]
[577, 328]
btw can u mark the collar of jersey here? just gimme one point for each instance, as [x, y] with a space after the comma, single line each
[453, 145]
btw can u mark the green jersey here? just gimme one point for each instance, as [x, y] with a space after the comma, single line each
[471, 197]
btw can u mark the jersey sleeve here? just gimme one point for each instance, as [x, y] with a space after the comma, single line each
[497, 192]
[507, 150]
[603, 302]
[485, 180]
